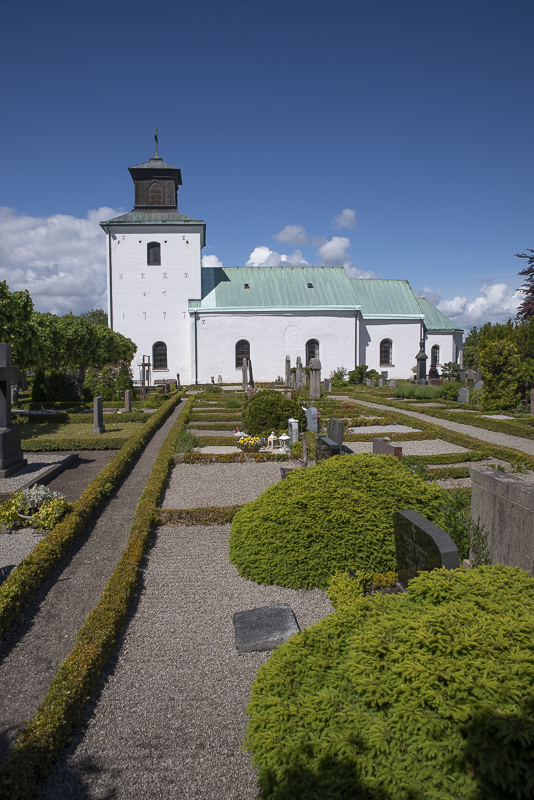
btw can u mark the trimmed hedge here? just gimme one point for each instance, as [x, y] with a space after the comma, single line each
[207, 515]
[427, 694]
[43, 737]
[19, 587]
[227, 458]
[105, 443]
[334, 516]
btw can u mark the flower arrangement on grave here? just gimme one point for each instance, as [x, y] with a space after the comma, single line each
[37, 507]
[249, 444]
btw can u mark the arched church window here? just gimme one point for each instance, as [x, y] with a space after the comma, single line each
[386, 352]
[242, 350]
[312, 350]
[434, 354]
[159, 355]
[155, 194]
[153, 253]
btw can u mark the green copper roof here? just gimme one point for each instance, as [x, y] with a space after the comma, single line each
[275, 288]
[435, 321]
[386, 299]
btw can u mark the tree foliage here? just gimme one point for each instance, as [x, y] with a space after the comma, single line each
[16, 326]
[504, 375]
[526, 309]
[268, 411]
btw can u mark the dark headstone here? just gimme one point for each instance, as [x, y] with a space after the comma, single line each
[532, 401]
[311, 419]
[98, 420]
[264, 628]
[325, 448]
[336, 428]
[382, 447]
[11, 457]
[421, 546]
[5, 571]
[304, 450]
[421, 359]
[284, 471]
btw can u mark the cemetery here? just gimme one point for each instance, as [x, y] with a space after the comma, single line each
[322, 541]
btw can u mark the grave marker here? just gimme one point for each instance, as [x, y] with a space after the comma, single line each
[336, 428]
[478, 385]
[304, 450]
[325, 448]
[463, 395]
[264, 628]
[98, 419]
[532, 401]
[311, 419]
[288, 371]
[300, 373]
[327, 385]
[315, 378]
[381, 381]
[244, 370]
[382, 447]
[127, 401]
[421, 546]
[293, 430]
[392, 383]
[11, 457]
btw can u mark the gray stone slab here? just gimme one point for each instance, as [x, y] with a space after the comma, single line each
[41, 468]
[336, 428]
[264, 628]
[421, 546]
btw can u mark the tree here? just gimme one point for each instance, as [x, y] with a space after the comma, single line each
[503, 373]
[526, 309]
[96, 315]
[16, 326]
[470, 350]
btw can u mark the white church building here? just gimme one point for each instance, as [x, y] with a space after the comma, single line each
[200, 322]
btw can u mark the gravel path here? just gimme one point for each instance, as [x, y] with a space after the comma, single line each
[424, 447]
[197, 485]
[168, 720]
[502, 439]
[33, 648]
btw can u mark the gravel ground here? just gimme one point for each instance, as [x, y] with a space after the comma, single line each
[168, 720]
[425, 447]
[383, 429]
[217, 449]
[197, 485]
[37, 462]
[16, 545]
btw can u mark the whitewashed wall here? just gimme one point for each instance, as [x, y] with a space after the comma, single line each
[450, 347]
[150, 303]
[405, 337]
[272, 336]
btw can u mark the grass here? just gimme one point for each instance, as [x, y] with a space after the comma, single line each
[78, 430]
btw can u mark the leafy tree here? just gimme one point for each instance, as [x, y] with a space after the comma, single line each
[526, 309]
[470, 350]
[16, 326]
[503, 374]
[96, 315]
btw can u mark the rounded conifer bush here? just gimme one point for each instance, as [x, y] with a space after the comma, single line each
[269, 411]
[335, 516]
[428, 694]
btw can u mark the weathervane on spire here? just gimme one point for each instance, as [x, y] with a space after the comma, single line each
[156, 140]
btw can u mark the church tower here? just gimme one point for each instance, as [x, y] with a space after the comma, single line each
[154, 257]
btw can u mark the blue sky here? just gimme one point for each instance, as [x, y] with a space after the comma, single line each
[392, 137]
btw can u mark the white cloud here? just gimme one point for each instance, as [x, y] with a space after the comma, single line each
[496, 302]
[262, 256]
[353, 272]
[347, 219]
[292, 234]
[61, 259]
[211, 261]
[333, 253]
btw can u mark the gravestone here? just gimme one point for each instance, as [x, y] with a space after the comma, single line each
[421, 359]
[532, 401]
[470, 375]
[311, 419]
[368, 382]
[462, 375]
[292, 381]
[284, 471]
[98, 419]
[382, 447]
[336, 428]
[325, 448]
[11, 457]
[244, 371]
[288, 371]
[304, 450]
[421, 546]
[315, 378]
[392, 383]
[128, 400]
[327, 384]
[479, 374]
[288, 395]
[293, 430]
[300, 373]
[381, 381]
[478, 385]
[463, 395]
[264, 628]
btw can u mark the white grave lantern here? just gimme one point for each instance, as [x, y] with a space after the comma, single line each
[284, 438]
[271, 441]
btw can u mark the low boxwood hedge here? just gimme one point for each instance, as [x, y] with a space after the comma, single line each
[334, 516]
[423, 695]
[100, 443]
[43, 737]
[19, 587]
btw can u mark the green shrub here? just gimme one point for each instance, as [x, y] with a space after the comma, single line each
[232, 403]
[268, 411]
[346, 588]
[41, 508]
[339, 384]
[337, 515]
[110, 382]
[421, 392]
[339, 374]
[449, 391]
[425, 695]
[186, 442]
[358, 375]
[456, 509]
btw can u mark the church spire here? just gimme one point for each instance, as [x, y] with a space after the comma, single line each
[156, 140]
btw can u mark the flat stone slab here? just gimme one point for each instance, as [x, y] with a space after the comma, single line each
[383, 429]
[425, 447]
[264, 628]
[496, 416]
[207, 432]
[41, 468]
[219, 449]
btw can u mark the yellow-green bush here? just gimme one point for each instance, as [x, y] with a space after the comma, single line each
[345, 589]
[427, 694]
[334, 516]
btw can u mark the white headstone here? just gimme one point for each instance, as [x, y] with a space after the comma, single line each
[293, 430]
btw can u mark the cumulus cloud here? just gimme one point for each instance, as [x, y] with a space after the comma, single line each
[211, 261]
[61, 259]
[262, 256]
[333, 253]
[347, 219]
[292, 234]
[353, 272]
[496, 302]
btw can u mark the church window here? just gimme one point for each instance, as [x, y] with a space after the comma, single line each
[434, 354]
[242, 350]
[386, 352]
[153, 254]
[155, 194]
[159, 355]
[312, 350]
